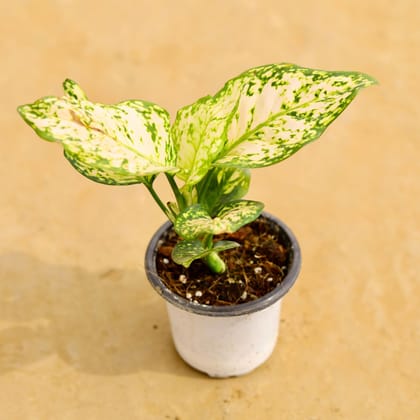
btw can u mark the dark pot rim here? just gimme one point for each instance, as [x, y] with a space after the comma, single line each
[224, 311]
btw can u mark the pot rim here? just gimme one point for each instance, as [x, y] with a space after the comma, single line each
[231, 310]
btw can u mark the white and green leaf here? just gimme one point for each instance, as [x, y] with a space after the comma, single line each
[196, 221]
[198, 137]
[282, 108]
[261, 117]
[193, 222]
[185, 252]
[236, 214]
[113, 144]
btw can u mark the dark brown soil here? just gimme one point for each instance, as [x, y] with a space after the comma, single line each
[253, 269]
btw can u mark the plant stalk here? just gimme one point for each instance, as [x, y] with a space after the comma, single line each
[178, 195]
[213, 260]
[215, 263]
[159, 202]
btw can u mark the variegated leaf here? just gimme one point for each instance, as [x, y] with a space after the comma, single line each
[222, 185]
[224, 246]
[112, 144]
[193, 222]
[198, 136]
[236, 214]
[277, 109]
[185, 252]
[196, 221]
[262, 117]
[103, 174]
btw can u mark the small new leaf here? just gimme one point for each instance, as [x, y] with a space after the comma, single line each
[185, 252]
[195, 221]
[236, 214]
[224, 245]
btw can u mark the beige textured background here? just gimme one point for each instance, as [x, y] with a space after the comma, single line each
[83, 336]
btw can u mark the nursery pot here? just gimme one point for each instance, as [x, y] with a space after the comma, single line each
[225, 341]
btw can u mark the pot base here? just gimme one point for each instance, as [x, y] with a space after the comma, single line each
[225, 346]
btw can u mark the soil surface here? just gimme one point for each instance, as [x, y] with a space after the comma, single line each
[253, 269]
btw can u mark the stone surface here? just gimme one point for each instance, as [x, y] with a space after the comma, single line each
[83, 336]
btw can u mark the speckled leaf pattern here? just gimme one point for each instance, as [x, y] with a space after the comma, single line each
[112, 144]
[236, 214]
[196, 221]
[279, 108]
[198, 136]
[185, 252]
[262, 117]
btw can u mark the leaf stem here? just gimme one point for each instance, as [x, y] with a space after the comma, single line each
[178, 195]
[159, 202]
[207, 241]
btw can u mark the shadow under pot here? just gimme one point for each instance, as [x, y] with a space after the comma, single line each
[230, 340]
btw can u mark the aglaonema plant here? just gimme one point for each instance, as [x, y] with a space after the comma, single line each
[257, 119]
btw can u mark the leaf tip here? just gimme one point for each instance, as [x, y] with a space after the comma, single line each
[20, 110]
[23, 112]
[72, 89]
[369, 80]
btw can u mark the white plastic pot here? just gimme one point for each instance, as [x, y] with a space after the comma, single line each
[225, 346]
[225, 341]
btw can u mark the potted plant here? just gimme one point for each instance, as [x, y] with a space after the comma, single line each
[222, 264]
